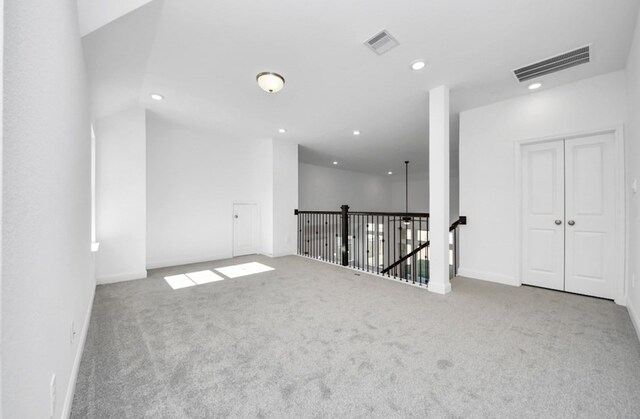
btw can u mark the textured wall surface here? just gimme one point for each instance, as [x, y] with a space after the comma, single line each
[121, 196]
[488, 135]
[47, 272]
[633, 173]
[192, 181]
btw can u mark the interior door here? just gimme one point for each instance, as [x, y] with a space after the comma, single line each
[590, 215]
[543, 215]
[245, 229]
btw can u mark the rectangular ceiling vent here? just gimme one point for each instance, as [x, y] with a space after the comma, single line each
[554, 64]
[381, 42]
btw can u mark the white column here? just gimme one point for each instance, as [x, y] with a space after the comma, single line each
[439, 190]
[285, 197]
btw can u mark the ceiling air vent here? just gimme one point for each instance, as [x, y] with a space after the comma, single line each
[381, 42]
[554, 64]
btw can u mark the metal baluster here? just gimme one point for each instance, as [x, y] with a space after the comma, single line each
[377, 246]
[324, 236]
[388, 261]
[394, 245]
[366, 238]
[414, 268]
[334, 223]
[455, 251]
[356, 247]
[362, 242]
[356, 235]
[423, 280]
[306, 235]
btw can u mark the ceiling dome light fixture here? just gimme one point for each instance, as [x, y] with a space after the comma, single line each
[389, 173]
[418, 65]
[270, 82]
[156, 96]
[356, 132]
[335, 162]
[282, 130]
[534, 86]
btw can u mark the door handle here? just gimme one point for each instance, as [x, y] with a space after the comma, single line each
[571, 222]
[558, 222]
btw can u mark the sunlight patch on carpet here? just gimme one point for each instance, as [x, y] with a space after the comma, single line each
[236, 271]
[179, 281]
[192, 278]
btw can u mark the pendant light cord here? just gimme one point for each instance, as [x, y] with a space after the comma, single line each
[406, 186]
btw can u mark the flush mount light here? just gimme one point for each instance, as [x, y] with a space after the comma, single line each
[156, 96]
[282, 130]
[418, 65]
[534, 86]
[356, 132]
[270, 82]
[389, 173]
[335, 162]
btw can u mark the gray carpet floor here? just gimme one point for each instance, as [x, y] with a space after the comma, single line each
[310, 339]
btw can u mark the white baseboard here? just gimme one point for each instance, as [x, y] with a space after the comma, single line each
[73, 378]
[278, 255]
[121, 277]
[635, 316]
[489, 276]
[439, 288]
[185, 261]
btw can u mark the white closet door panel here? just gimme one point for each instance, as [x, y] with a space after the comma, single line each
[590, 215]
[543, 215]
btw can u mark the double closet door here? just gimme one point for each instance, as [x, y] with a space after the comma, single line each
[568, 215]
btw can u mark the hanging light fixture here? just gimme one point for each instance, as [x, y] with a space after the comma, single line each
[406, 219]
[270, 82]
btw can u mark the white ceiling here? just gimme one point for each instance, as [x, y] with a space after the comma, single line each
[203, 56]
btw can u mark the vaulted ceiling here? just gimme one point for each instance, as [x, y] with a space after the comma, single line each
[203, 56]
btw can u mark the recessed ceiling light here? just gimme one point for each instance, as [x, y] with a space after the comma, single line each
[282, 130]
[270, 82]
[418, 65]
[534, 86]
[356, 132]
[156, 96]
[335, 162]
[389, 173]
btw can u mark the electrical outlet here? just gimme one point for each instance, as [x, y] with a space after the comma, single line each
[634, 185]
[73, 332]
[52, 396]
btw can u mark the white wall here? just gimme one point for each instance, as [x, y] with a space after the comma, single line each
[121, 196]
[192, 181]
[418, 192]
[1, 182]
[285, 197]
[47, 268]
[633, 173]
[487, 166]
[94, 14]
[326, 189]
